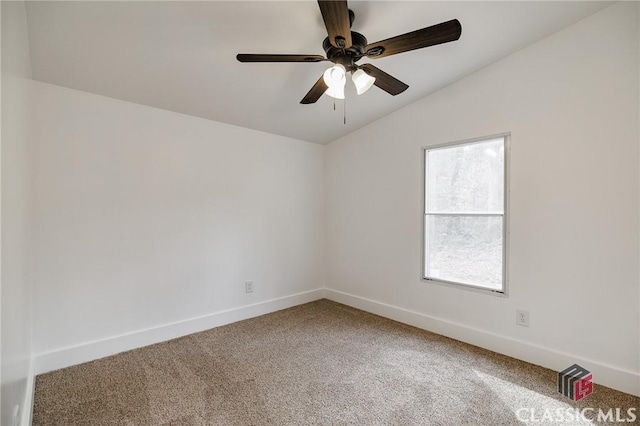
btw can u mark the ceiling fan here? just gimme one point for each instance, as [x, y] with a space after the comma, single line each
[344, 48]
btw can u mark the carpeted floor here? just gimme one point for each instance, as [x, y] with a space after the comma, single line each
[316, 364]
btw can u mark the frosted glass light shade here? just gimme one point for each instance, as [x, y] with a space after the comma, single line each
[362, 81]
[335, 92]
[335, 78]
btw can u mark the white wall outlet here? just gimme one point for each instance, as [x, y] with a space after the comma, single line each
[248, 286]
[522, 318]
[16, 415]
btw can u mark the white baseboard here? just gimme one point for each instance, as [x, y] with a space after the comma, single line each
[89, 351]
[606, 375]
[27, 406]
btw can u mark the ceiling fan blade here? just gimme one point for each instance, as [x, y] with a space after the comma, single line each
[249, 57]
[430, 36]
[386, 82]
[316, 91]
[336, 18]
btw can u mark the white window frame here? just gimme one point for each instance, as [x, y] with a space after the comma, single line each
[505, 216]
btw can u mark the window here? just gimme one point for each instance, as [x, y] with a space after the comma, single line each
[465, 214]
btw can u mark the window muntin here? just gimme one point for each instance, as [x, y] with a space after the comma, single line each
[465, 213]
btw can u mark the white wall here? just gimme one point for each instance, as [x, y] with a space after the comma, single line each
[15, 294]
[571, 104]
[146, 217]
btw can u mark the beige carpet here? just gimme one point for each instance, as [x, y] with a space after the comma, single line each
[317, 364]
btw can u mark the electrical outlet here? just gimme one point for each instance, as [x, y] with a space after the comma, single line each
[522, 318]
[16, 415]
[248, 286]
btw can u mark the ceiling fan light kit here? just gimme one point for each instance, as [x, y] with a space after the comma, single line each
[335, 78]
[344, 48]
[362, 81]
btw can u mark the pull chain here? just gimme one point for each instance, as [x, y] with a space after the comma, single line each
[344, 111]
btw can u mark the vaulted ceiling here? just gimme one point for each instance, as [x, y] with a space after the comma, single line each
[180, 56]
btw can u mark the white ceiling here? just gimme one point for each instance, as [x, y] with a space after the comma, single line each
[180, 56]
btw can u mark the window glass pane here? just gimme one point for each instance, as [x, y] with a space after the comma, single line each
[466, 178]
[465, 249]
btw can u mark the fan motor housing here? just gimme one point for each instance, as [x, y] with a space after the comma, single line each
[349, 55]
